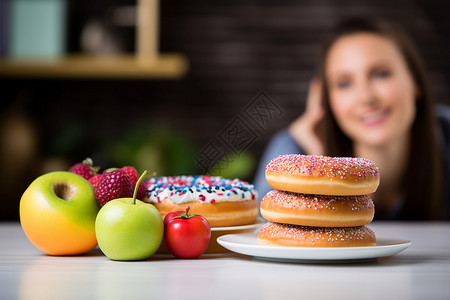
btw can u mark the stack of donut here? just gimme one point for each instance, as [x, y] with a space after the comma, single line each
[319, 201]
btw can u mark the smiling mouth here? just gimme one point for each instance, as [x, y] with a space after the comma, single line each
[375, 117]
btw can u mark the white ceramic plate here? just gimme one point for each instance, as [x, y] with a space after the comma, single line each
[246, 243]
[238, 228]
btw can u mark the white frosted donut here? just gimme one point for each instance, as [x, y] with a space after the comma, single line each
[323, 175]
[223, 202]
[275, 234]
[317, 210]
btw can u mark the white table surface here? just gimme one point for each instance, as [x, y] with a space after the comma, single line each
[420, 272]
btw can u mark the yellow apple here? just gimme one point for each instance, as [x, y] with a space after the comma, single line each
[57, 214]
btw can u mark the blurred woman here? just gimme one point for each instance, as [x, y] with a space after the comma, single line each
[372, 99]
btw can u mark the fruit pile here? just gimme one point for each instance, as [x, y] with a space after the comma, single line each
[71, 212]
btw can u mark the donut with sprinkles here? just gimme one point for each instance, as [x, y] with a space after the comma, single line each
[323, 175]
[223, 202]
[276, 234]
[317, 210]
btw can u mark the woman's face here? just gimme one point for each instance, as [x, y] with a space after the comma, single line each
[372, 93]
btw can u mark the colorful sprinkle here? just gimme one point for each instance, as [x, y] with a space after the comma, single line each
[207, 189]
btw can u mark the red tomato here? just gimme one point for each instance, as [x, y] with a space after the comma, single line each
[170, 216]
[186, 235]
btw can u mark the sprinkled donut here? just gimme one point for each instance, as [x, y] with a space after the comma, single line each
[275, 234]
[323, 175]
[317, 210]
[223, 202]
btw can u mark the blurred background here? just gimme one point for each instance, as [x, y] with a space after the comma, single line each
[74, 83]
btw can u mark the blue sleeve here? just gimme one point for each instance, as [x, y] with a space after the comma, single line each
[281, 143]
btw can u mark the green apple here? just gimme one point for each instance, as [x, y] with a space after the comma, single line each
[58, 212]
[129, 229]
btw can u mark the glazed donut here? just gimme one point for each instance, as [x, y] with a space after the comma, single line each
[317, 210]
[275, 234]
[223, 202]
[322, 175]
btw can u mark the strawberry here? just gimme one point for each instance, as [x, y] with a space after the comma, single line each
[134, 176]
[84, 169]
[94, 180]
[114, 184]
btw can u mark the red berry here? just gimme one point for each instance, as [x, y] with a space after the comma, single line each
[84, 169]
[134, 176]
[94, 180]
[132, 173]
[115, 184]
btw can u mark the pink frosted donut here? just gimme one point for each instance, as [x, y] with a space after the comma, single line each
[317, 210]
[323, 175]
[275, 234]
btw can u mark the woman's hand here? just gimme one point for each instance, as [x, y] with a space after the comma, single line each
[304, 129]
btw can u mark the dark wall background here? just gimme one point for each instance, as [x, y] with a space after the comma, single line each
[235, 50]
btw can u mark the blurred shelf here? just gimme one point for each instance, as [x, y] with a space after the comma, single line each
[165, 66]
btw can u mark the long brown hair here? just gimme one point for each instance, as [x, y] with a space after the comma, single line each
[422, 181]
